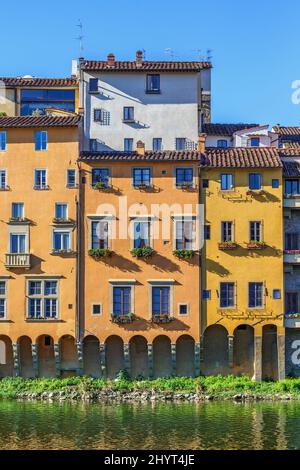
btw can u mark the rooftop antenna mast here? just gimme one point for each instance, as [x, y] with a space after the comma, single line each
[209, 55]
[169, 52]
[80, 37]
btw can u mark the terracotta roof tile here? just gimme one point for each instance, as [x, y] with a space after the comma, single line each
[36, 82]
[145, 66]
[291, 151]
[225, 129]
[241, 157]
[91, 157]
[291, 169]
[287, 131]
[39, 121]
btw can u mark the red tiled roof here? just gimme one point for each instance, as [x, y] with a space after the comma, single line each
[39, 121]
[241, 157]
[225, 129]
[38, 82]
[287, 131]
[291, 169]
[145, 66]
[290, 151]
[91, 157]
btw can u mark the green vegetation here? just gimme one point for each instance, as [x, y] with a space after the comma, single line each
[215, 387]
[184, 254]
[100, 252]
[145, 253]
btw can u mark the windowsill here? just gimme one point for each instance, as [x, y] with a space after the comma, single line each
[43, 320]
[58, 221]
[153, 92]
[7, 188]
[96, 92]
[68, 186]
[63, 253]
[20, 221]
[5, 320]
[129, 121]
[36, 188]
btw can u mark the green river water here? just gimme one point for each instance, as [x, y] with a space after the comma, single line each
[216, 425]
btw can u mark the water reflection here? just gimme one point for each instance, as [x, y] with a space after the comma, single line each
[162, 426]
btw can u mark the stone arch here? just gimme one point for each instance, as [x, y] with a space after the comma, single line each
[91, 356]
[269, 353]
[25, 355]
[162, 360]
[114, 356]
[243, 350]
[68, 356]
[215, 344]
[139, 356]
[7, 362]
[185, 356]
[46, 356]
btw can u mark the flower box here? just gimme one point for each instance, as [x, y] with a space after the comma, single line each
[292, 315]
[101, 186]
[123, 319]
[227, 246]
[144, 253]
[161, 318]
[256, 245]
[185, 186]
[291, 252]
[184, 254]
[100, 253]
[254, 192]
[142, 186]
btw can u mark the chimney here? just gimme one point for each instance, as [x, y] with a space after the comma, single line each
[140, 148]
[139, 57]
[201, 143]
[111, 59]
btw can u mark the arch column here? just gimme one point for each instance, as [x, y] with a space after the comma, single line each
[16, 359]
[230, 351]
[79, 349]
[57, 359]
[127, 358]
[173, 358]
[102, 355]
[258, 358]
[281, 356]
[197, 359]
[35, 358]
[150, 358]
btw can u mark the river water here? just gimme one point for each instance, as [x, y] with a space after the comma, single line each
[215, 425]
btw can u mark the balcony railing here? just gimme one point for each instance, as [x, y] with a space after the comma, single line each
[292, 320]
[163, 318]
[291, 201]
[17, 260]
[291, 256]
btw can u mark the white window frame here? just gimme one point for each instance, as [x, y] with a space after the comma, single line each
[4, 297]
[75, 180]
[161, 283]
[62, 229]
[41, 188]
[67, 210]
[3, 133]
[43, 297]
[184, 218]
[92, 309]
[121, 283]
[141, 219]
[5, 186]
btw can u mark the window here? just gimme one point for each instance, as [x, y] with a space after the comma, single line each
[157, 144]
[183, 309]
[205, 184]
[18, 243]
[17, 210]
[184, 176]
[42, 299]
[61, 211]
[98, 115]
[40, 179]
[3, 179]
[41, 140]
[128, 145]
[276, 294]
[255, 294]
[254, 181]
[291, 241]
[153, 83]
[61, 240]
[254, 142]
[227, 231]
[93, 85]
[255, 232]
[206, 294]
[100, 232]
[3, 141]
[185, 234]
[141, 176]
[226, 182]
[206, 232]
[100, 175]
[36, 101]
[71, 178]
[180, 143]
[275, 184]
[227, 295]
[141, 234]
[291, 186]
[2, 300]
[96, 309]
[222, 143]
[121, 301]
[291, 303]
[160, 300]
[93, 145]
[128, 113]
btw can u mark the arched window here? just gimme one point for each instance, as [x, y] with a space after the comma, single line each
[222, 143]
[2, 352]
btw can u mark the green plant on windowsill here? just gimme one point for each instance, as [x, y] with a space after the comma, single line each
[145, 253]
[163, 318]
[123, 318]
[101, 185]
[100, 253]
[184, 254]
[254, 245]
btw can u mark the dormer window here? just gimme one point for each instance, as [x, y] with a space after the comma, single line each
[93, 85]
[153, 83]
[291, 186]
[222, 144]
[254, 142]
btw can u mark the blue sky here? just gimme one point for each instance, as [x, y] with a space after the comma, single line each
[255, 45]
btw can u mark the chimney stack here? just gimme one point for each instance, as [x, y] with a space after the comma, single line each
[139, 57]
[111, 59]
[140, 148]
[201, 143]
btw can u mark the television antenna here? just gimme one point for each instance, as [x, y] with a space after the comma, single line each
[169, 52]
[80, 37]
[209, 55]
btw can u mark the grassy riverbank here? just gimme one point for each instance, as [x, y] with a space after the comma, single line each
[170, 388]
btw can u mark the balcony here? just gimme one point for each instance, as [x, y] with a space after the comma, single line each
[164, 318]
[17, 260]
[291, 201]
[291, 256]
[292, 320]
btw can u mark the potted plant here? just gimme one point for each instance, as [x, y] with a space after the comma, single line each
[101, 185]
[255, 245]
[185, 185]
[162, 318]
[228, 245]
[123, 318]
[145, 253]
[100, 253]
[184, 254]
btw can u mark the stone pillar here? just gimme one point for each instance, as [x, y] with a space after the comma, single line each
[102, 352]
[281, 356]
[57, 359]
[197, 356]
[35, 358]
[79, 348]
[173, 359]
[16, 359]
[258, 358]
[201, 352]
[150, 359]
[127, 358]
[230, 351]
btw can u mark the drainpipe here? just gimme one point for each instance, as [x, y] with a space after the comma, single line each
[79, 325]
